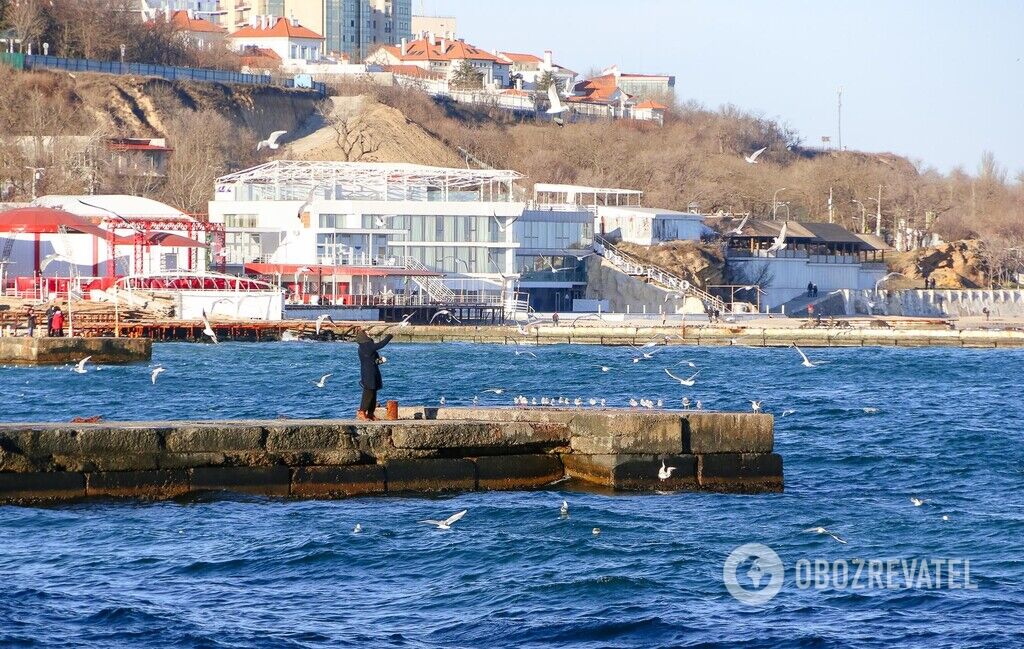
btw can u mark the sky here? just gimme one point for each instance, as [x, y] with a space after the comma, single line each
[939, 81]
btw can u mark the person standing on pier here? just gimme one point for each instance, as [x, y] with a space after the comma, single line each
[30, 322]
[57, 326]
[369, 371]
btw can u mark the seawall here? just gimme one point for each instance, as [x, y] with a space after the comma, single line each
[426, 450]
[62, 351]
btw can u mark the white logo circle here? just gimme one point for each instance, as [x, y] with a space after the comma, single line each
[762, 570]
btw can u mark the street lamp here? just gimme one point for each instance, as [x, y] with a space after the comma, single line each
[878, 212]
[863, 214]
[775, 202]
[785, 204]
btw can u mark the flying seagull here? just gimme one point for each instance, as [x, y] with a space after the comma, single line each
[665, 472]
[604, 368]
[495, 390]
[780, 241]
[525, 352]
[405, 321]
[157, 371]
[739, 229]
[806, 362]
[444, 312]
[80, 367]
[447, 523]
[323, 380]
[752, 158]
[502, 226]
[557, 108]
[917, 502]
[687, 382]
[208, 329]
[270, 142]
[822, 530]
[320, 322]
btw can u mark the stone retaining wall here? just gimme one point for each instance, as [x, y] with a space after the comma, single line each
[429, 450]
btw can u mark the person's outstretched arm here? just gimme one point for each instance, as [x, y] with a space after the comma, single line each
[383, 341]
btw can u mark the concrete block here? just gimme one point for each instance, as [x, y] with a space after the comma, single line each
[310, 437]
[332, 481]
[214, 438]
[269, 480]
[41, 486]
[633, 471]
[722, 432]
[740, 472]
[479, 437]
[518, 471]
[138, 484]
[430, 475]
[613, 432]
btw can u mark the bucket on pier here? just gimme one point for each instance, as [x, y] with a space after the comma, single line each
[392, 407]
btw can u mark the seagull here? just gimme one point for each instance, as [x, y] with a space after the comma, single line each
[593, 402]
[525, 352]
[752, 158]
[633, 403]
[357, 529]
[476, 400]
[688, 363]
[441, 400]
[686, 403]
[665, 472]
[80, 367]
[157, 371]
[447, 523]
[603, 368]
[945, 517]
[444, 312]
[780, 241]
[870, 411]
[577, 402]
[564, 509]
[602, 403]
[787, 412]
[687, 382]
[916, 501]
[320, 322]
[755, 406]
[596, 531]
[405, 321]
[806, 362]
[822, 530]
[524, 331]
[270, 142]
[208, 329]
[646, 356]
[556, 108]
[305, 206]
[502, 226]
[699, 405]
[738, 230]
[495, 390]
[323, 380]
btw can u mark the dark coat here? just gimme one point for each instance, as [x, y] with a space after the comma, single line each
[369, 369]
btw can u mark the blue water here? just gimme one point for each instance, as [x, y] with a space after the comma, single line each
[239, 572]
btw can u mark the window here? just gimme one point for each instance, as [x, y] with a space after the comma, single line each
[240, 220]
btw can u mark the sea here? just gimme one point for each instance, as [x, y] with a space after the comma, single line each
[862, 434]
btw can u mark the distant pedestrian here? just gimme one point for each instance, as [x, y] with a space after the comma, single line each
[814, 288]
[30, 321]
[810, 289]
[554, 318]
[988, 314]
[933, 283]
[49, 319]
[58, 323]
[369, 372]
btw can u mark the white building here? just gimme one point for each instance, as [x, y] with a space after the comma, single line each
[529, 68]
[286, 38]
[445, 55]
[385, 233]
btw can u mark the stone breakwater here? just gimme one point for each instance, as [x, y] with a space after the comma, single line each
[425, 450]
[62, 351]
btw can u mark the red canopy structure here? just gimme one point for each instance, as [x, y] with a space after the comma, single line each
[46, 220]
[168, 240]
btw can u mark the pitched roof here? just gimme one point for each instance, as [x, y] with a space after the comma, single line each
[421, 50]
[282, 28]
[517, 57]
[653, 105]
[412, 71]
[181, 20]
[257, 56]
[599, 90]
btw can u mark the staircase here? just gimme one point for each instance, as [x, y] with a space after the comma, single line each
[434, 287]
[636, 267]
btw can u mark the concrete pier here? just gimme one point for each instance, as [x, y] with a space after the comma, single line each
[426, 450]
[62, 351]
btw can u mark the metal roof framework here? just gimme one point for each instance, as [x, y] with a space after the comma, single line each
[380, 181]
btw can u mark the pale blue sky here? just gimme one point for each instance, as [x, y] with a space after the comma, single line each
[935, 80]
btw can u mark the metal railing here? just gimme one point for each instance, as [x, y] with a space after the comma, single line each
[171, 73]
[636, 267]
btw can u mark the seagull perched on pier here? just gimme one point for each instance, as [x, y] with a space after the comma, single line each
[270, 142]
[633, 403]
[441, 400]
[755, 406]
[665, 472]
[447, 523]
[80, 367]
[323, 380]
[208, 329]
[822, 530]
[157, 371]
[687, 382]
[320, 322]
[752, 158]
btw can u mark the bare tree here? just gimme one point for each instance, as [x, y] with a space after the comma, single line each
[26, 18]
[353, 137]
